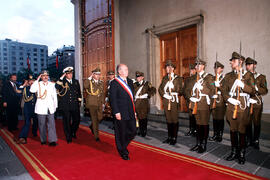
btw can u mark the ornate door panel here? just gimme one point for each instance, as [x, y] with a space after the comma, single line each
[97, 35]
[181, 48]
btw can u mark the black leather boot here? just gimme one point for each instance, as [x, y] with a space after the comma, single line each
[249, 138]
[242, 153]
[215, 129]
[257, 131]
[220, 130]
[204, 137]
[144, 129]
[198, 129]
[168, 140]
[234, 143]
[175, 127]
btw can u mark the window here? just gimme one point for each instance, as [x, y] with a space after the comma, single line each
[14, 69]
[5, 67]
[13, 47]
[21, 58]
[21, 63]
[5, 58]
[36, 69]
[21, 53]
[42, 50]
[13, 58]
[35, 59]
[21, 48]
[35, 64]
[4, 44]
[4, 49]
[13, 53]
[35, 49]
[5, 54]
[14, 63]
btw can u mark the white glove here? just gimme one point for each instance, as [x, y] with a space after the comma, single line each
[167, 96]
[171, 86]
[215, 96]
[252, 101]
[239, 83]
[193, 99]
[217, 84]
[199, 86]
[234, 101]
[256, 87]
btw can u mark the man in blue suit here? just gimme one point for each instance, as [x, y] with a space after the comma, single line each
[121, 98]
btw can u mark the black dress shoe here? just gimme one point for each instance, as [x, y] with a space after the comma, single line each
[74, 136]
[52, 144]
[125, 157]
[35, 135]
[97, 139]
[69, 141]
[91, 128]
[42, 143]
[195, 148]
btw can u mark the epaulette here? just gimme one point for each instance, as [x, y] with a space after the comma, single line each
[59, 82]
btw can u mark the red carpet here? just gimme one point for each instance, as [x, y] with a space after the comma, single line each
[87, 159]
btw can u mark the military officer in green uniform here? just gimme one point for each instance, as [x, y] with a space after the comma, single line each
[236, 87]
[143, 91]
[188, 85]
[169, 90]
[95, 100]
[203, 89]
[218, 106]
[256, 103]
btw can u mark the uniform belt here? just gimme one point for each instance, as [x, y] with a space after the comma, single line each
[207, 98]
[241, 94]
[144, 96]
[175, 97]
[218, 92]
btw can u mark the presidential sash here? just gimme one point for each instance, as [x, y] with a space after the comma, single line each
[127, 89]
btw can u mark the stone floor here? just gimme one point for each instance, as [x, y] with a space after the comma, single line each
[258, 162]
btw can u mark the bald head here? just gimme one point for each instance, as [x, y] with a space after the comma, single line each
[122, 70]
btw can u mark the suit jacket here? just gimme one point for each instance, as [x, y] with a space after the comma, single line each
[121, 101]
[71, 99]
[10, 96]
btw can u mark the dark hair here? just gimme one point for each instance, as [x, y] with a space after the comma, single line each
[13, 74]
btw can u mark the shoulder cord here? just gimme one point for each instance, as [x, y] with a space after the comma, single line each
[92, 91]
[66, 87]
[44, 95]
[25, 98]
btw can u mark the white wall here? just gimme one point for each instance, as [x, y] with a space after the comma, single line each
[226, 22]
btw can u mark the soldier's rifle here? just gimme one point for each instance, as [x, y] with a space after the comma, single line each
[216, 90]
[238, 88]
[170, 91]
[251, 106]
[194, 111]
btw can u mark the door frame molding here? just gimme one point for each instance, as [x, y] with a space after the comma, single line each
[153, 50]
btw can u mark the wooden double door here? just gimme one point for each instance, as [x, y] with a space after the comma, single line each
[97, 36]
[181, 48]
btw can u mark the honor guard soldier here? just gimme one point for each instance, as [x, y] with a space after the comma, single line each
[29, 100]
[188, 85]
[256, 104]
[169, 89]
[143, 91]
[236, 87]
[95, 100]
[108, 110]
[202, 90]
[69, 93]
[218, 106]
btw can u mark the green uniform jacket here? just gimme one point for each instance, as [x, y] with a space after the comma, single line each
[188, 85]
[97, 98]
[227, 83]
[261, 84]
[177, 82]
[219, 111]
[142, 105]
[208, 89]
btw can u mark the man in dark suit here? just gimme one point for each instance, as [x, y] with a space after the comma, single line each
[121, 98]
[11, 101]
[69, 93]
